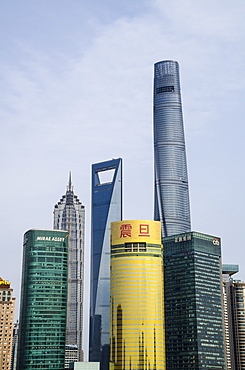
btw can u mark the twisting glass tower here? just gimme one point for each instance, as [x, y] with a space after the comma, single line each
[69, 214]
[171, 180]
[106, 208]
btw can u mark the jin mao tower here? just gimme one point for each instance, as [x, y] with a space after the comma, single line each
[69, 214]
[106, 208]
[171, 181]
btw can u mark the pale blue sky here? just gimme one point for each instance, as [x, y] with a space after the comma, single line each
[76, 88]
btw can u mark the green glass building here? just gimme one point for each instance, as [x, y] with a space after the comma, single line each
[43, 300]
[193, 302]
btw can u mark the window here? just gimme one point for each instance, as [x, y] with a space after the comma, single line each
[135, 247]
[164, 89]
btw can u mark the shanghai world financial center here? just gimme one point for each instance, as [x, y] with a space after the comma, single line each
[106, 208]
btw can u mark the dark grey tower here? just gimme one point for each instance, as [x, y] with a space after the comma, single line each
[171, 180]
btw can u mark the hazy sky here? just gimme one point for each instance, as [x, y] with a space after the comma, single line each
[76, 89]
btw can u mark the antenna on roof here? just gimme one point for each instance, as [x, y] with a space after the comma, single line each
[70, 183]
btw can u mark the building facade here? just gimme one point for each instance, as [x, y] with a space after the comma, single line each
[171, 197]
[193, 302]
[85, 366]
[69, 214]
[42, 328]
[106, 208]
[137, 338]
[7, 305]
[234, 310]
[15, 346]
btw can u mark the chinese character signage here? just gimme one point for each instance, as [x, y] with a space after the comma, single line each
[125, 230]
[136, 231]
[182, 238]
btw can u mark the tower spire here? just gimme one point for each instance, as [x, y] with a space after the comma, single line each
[70, 183]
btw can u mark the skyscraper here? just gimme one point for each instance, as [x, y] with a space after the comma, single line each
[43, 300]
[7, 303]
[15, 346]
[69, 214]
[234, 312]
[193, 302]
[137, 302]
[171, 180]
[106, 208]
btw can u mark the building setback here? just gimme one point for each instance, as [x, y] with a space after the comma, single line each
[7, 304]
[137, 338]
[69, 214]
[106, 208]
[193, 302]
[43, 300]
[171, 180]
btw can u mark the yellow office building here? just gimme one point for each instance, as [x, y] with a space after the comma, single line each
[137, 338]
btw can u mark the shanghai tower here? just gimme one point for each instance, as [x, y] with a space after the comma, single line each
[171, 196]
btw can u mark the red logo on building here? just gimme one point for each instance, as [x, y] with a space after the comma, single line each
[125, 231]
[144, 230]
